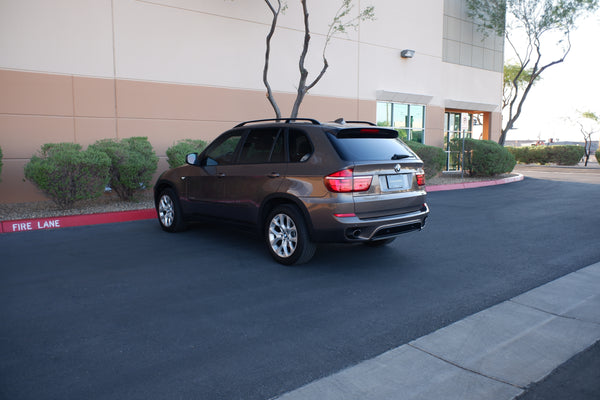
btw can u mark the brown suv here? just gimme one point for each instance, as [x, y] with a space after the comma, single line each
[300, 182]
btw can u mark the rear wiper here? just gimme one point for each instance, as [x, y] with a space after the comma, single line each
[399, 156]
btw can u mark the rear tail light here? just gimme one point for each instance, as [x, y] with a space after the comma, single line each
[421, 179]
[344, 181]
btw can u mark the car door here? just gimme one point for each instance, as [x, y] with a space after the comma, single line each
[259, 170]
[206, 186]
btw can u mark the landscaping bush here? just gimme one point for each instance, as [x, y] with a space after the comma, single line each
[133, 162]
[433, 157]
[565, 155]
[484, 157]
[561, 155]
[66, 174]
[598, 156]
[176, 153]
[529, 155]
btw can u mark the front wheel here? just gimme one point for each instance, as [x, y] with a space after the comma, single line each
[287, 237]
[169, 212]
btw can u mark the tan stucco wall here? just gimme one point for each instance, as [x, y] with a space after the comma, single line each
[38, 108]
[434, 126]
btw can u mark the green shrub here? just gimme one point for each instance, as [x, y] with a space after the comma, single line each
[66, 174]
[484, 157]
[561, 155]
[565, 155]
[433, 157]
[176, 153]
[530, 154]
[598, 156]
[133, 162]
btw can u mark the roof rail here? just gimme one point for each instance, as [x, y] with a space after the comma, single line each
[286, 120]
[343, 121]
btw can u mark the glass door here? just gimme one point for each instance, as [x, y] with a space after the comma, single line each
[457, 125]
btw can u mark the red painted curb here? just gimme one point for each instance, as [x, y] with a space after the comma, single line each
[35, 224]
[471, 185]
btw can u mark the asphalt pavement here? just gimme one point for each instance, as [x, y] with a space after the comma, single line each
[128, 311]
[579, 173]
[494, 354]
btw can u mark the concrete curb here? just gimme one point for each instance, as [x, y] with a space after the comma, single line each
[493, 354]
[471, 185]
[35, 224]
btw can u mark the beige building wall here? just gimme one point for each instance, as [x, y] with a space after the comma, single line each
[84, 70]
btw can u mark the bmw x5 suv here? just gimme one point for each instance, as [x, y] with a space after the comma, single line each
[300, 182]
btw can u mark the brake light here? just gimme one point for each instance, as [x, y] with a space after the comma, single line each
[421, 179]
[344, 181]
[369, 130]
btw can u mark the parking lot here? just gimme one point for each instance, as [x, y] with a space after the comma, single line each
[128, 311]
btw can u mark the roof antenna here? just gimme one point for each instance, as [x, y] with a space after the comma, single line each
[340, 121]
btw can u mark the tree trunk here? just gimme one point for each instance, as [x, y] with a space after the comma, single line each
[303, 88]
[270, 96]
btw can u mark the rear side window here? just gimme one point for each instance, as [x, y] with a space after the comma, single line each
[299, 146]
[355, 148]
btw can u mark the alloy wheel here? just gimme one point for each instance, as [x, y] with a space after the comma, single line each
[166, 210]
[283, 235]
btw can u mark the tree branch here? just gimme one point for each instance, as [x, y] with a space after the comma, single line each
[302, 89]
[270, 97]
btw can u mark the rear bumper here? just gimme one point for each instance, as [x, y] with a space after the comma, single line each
[354, 229]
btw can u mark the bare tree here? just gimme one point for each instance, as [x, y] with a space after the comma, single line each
[538, 23]
[589, 123]
[342, 21]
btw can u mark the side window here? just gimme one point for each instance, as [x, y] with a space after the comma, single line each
[262, 146]
[278, 153]
[223, 151]
[300, 147]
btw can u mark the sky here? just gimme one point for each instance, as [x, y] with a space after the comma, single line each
[566, 88]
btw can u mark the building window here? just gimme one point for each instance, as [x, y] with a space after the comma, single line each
[407, 119]
[465, 44]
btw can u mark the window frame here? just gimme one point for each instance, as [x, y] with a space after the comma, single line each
[408, 117]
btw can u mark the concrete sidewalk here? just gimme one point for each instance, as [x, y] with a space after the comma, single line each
[494, 354]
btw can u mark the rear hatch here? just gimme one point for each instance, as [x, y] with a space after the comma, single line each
[397, 177]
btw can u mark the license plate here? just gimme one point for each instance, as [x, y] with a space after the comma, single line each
[399, 181]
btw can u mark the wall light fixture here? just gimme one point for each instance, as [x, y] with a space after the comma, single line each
[408, 53]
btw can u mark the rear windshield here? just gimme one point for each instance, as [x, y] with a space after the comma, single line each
[370, 149]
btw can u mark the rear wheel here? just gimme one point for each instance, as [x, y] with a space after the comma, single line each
[169, 211]
[286, 236]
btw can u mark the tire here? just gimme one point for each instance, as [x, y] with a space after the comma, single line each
[380, 242]
[286, 236]
[169, 211]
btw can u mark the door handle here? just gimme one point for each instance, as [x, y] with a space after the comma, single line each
[220, 174]
[273, 175]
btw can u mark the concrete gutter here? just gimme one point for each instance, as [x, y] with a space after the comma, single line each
[494, 354]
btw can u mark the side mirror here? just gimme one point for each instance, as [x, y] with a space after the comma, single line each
[191, 158]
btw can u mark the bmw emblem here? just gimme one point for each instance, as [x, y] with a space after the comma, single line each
[397, 168]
